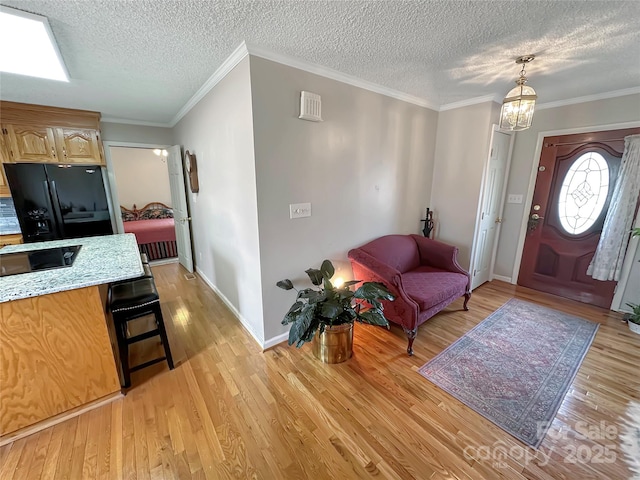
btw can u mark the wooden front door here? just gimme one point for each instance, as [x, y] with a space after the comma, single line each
[575, 181]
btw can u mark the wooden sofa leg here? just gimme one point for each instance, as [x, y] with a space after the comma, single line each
[411, 335]
[467, 296]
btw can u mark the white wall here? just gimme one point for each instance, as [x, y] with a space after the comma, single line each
[218, 130]
[126, 133]
[462, 149]
[595, 114]
[366, 170]
[142, 177]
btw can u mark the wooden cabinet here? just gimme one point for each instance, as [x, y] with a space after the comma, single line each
[37, 134]
[30, 143]
[4, 185]
[56, 356]
[4, 158]
[12, 239]
[4, 147]
[78, 146]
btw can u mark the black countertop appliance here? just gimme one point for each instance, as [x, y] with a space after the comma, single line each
[55, 202]
[36, 260]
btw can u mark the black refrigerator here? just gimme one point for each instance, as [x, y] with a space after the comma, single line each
[54, 202]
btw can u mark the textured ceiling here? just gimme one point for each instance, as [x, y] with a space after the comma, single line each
[142, 60]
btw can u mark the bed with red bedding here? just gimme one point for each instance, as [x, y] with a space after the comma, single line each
[154, 229]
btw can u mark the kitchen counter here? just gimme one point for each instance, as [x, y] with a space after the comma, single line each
[58, 347]
[101, 260]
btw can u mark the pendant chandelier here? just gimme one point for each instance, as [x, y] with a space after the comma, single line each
[518, 105]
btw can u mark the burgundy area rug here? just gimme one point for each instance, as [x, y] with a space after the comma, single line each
[515, 367]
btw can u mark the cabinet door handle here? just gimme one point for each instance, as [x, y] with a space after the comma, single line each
[64, 152]
[53, 152]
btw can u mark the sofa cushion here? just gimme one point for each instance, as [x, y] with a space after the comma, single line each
[397, 251]
[436, 287]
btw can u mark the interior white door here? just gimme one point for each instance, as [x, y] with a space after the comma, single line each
[492, 201]
[181, 217]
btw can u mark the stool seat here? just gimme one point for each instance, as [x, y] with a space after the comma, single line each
[146, 273]
[133, 294]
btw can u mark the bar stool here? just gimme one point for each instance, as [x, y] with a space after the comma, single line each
[146, 273]
[128, 301]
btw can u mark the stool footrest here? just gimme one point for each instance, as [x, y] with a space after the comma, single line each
[143, 336]
[147, 364]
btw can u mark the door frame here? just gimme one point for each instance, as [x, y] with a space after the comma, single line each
[532, 184]
[113, 190]
[485, 172]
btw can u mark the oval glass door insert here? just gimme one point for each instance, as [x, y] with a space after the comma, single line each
[583, 193]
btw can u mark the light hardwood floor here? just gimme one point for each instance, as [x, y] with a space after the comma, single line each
[229, 410]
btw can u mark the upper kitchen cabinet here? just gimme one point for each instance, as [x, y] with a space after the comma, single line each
[30, 143]
[78, 146]
[39, 134]
[4, 148]
[4, 185]
[4, 157]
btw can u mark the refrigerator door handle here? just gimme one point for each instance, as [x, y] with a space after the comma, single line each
[51, 211]
[56, 207]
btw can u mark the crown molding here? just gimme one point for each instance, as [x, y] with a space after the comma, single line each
[589, 98]
[245, 49]
[470, 101]
[126, 121]
[336, 75]
[232, 60]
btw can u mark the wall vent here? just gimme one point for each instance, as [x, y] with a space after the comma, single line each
[310, 107]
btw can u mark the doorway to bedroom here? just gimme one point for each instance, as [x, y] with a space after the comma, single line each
[144, 195]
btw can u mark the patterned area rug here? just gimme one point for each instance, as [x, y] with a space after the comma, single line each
[515, 367]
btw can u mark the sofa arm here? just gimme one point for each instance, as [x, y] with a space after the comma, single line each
[403, 310]
[439, 255]
[384, 272]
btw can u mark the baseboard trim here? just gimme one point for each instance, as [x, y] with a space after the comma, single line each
[243, 321]
[502, 278]
[163, 261]
[272, 342]
[61, 417]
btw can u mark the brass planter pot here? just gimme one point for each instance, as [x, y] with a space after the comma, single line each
[335, 345]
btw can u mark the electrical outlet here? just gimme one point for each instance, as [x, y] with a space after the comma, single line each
[299, 210]
[514, 198]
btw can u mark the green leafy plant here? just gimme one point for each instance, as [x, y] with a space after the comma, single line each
[634, 316]
[316, 309]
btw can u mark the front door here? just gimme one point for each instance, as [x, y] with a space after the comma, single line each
[576, 176]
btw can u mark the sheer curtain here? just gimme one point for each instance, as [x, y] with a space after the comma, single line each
[607, 261]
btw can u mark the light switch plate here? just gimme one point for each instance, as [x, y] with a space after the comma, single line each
[514, 198]
[299, 210]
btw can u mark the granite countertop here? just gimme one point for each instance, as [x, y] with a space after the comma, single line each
[101, 260]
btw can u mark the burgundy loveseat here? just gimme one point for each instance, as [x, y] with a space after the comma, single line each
[423, 274]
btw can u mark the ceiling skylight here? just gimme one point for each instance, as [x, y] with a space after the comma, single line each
[29, 46]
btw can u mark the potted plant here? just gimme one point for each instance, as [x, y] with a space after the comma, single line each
[633, 318]
[326, 314]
